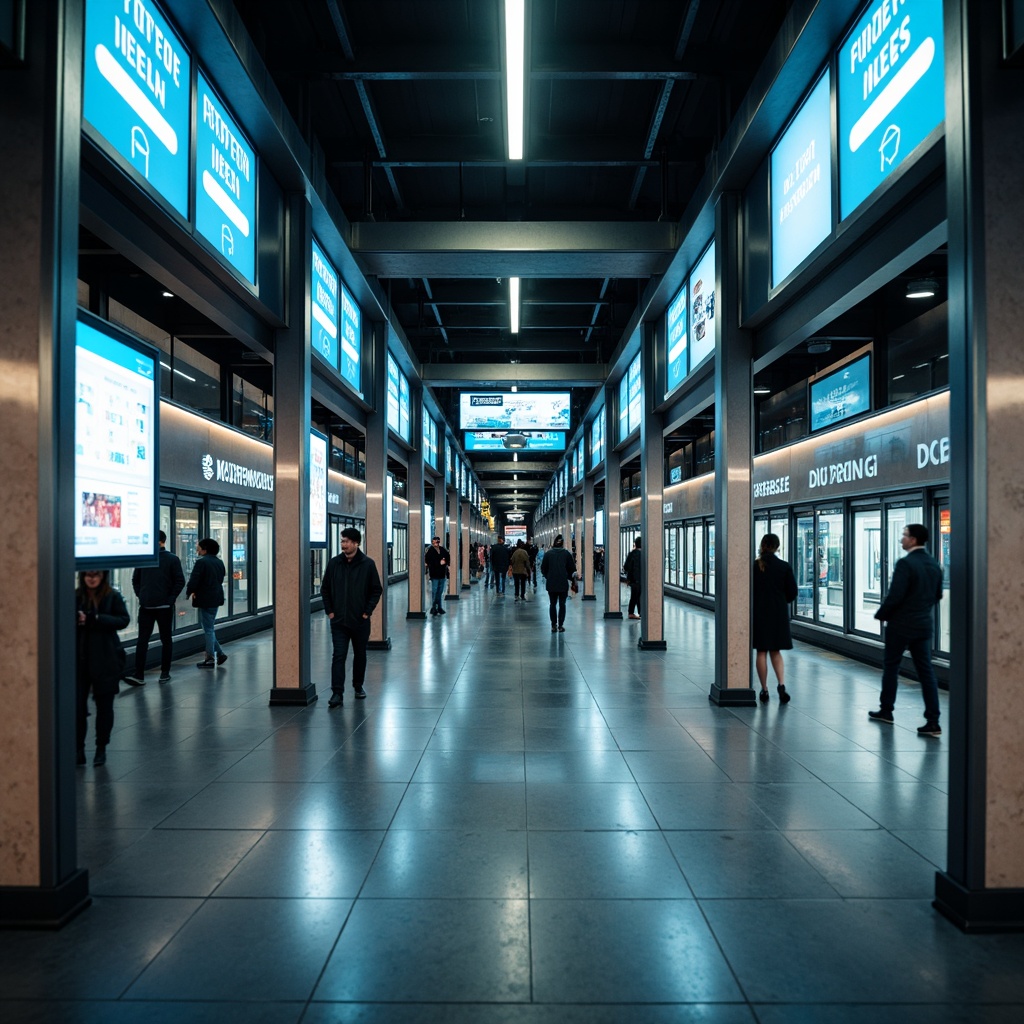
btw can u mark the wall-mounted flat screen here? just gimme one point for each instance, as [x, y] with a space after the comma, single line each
[317, 489]
[597, 440]
[117, 475]
[509, 410]
[676, 339]
[498, 441]
[351, 341]
[137, 93]
[630, 400]
[801, 183]
[841, 394]
[890, 93]
[703, 323]
[394, 376]
[323, 307]
[404, 408]
[225, 183]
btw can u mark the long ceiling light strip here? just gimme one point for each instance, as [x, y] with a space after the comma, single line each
[513, 303]
[515, 61]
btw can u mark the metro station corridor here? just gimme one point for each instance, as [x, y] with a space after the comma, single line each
[514, 826]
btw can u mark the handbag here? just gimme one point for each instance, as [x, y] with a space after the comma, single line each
[574, 586]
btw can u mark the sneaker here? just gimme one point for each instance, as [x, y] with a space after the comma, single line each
[928, 729]
[165, 679]
[221, 658]
[634, 616]
[206, 664]
[360, 693]
[554, 629]
[135, 680]
[561, 629]
[337, 699]
[881, 716]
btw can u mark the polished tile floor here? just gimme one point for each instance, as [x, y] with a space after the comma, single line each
[515, 826]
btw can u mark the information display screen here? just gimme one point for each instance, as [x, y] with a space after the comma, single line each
[393, 418]
[842, 394]
[225, 183]
[495, 441]
[890, 93]
[317, 489]
[801, 186]
[503, 410]
[676, 339]
[404, 407]
[117, 474]
[323, 307]
[137, 92]
[703, 325]
[351, 341]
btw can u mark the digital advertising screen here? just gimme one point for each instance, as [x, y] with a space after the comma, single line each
[323, 307]
[801, 183]
[117, 475]
[842, 394]
[496, 441]
[225, 183]
[597, 440]
[317, 489]
[675, 341]
[404, 407]
[703, 325]
[890, 93]
[393, 418]
[351, 341]
[514, 410]
[137, 93]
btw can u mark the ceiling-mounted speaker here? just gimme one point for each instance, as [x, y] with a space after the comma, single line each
[816, 346]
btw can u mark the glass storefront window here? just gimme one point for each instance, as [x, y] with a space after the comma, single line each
[239, 563]
[698, 558]
[220, 531]
[867, 570]
[186, 537]
[805, 566]
[939, 547]
[830, 567]
[779, 525]
[400, 549]
[317, 564]
[711, 558]
[264, 561]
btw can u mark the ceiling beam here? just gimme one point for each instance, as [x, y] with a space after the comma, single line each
[512, 467]
[534, 375]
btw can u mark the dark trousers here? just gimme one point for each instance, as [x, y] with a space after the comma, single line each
[921, 653]
[635, 592]
[163, 618]
[104, 715]
[520, 584]
[556, 609]
[437, 592]
[341, 636]
[499, 582]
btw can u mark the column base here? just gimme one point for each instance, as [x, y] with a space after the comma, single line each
[980, 910]
[590, 597]
[651, 645]
[465, 586]
[415, 615]
[737, 697]
[613, 615]
[379, 645]
[451, 597]
[49, 909]
[292, 696]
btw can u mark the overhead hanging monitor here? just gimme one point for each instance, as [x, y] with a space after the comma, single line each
[703, 324]
[514, 410]
[841, 394]
[117, 475]
[323, 307]
[503, 441]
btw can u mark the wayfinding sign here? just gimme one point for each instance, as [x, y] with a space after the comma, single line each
[890, 92]
[225, 183]
[136, 92]
[323, 302]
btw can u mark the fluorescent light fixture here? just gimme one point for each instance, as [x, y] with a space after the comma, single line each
[923, 288]
[515, 456]
[762, 389]
[515, 60]
[513, 303]
[167, 295]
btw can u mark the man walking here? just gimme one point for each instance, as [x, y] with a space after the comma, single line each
[350, 589]
[500, 557]
[437, 569]
[634, 570]
[156, 588]
[908, 614]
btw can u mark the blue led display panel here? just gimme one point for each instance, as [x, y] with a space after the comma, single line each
[703, 325]
[351, 341]
[225, 183]
[842, 394]
[323, 307]
[494, 441]
[136, 92]
[802, 184]
[890, 92]
[394, 420]
[675, 341]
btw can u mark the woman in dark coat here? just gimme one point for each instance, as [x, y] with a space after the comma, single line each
[558, 568]
[206, 587]
[774, 589]
[100, 660]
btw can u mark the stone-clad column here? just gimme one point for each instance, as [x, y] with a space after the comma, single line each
[416, 530]
[463, 551]
[374, 542]
[589, 538]
[454, 533]
[733, 470]
[652, 508]
[982, 887]
[292, 404]
[41, 884]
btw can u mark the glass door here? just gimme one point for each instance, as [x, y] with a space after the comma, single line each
[780, 527]
[240, 573]
[940, 549]
[711, 556]
[264, 560]
[867, 570]
[220, 531]
[805, 565]
[829, 579]
[186, 538]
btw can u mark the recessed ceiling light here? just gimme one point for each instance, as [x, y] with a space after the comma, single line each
[762, 389]
[167, 295]
[922, 288]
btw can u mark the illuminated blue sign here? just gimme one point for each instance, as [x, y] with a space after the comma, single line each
[536, 441]
[323, 307]
[137, 91]
[802, 184]
[890, 92]
[675, 341]
[842, 394]
[351, 340]
[394, 420]
[702, 307]
[225, 183]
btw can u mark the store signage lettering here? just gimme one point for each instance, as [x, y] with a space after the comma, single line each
[242, 476]
[843, 472]
[936, 453]
[767, 488]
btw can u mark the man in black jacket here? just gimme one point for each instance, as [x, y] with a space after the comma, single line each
[500, 558]
[156, 588]
[908, 613]
[436, 559]
[351, 589]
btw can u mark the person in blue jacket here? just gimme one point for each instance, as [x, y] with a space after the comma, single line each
[206, 587]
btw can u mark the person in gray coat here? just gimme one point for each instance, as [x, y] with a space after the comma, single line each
[558, 568]
[772, 592]
[908, 612]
